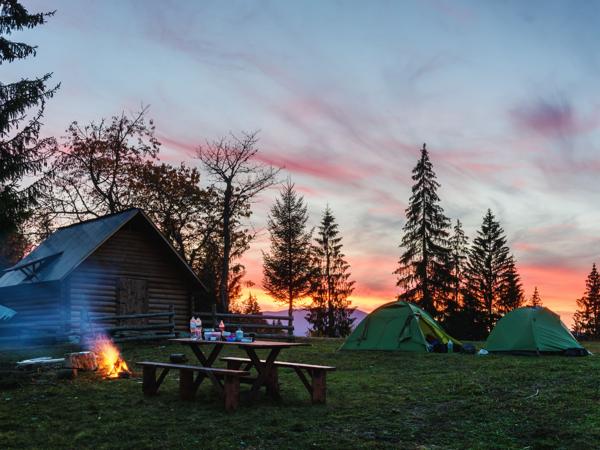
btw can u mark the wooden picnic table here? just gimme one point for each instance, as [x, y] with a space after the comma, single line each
[266, 368]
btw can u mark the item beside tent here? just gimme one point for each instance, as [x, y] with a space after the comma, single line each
[400, 326]
[533, 330]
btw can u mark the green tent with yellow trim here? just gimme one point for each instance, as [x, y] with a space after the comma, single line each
[534, 330]
[399, 326]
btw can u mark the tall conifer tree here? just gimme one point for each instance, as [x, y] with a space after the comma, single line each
[487, 267]
[535, 298]
[330, 311]
[459, 250]
[22, 152]
[453, 319]
[512, 291]
[424, 268]
[587, 317]
[288, 266]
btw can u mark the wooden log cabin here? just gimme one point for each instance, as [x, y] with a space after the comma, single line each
[117, 264]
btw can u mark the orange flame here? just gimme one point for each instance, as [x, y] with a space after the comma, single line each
[110, 362]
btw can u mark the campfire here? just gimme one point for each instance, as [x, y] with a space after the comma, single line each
[109, 360]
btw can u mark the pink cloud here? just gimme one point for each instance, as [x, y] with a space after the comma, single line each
[316, 167]
[553, 118]
[186, 148]
[478, 162]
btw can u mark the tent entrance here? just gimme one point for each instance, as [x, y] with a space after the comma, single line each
[429, 330]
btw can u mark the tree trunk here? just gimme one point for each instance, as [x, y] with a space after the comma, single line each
[224, 282]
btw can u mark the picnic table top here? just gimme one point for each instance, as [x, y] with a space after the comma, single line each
[255, 344]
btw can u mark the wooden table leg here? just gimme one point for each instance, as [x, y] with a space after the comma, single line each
[273, 383]
[264, 370]
[149, 386]
[231, 393]
[187, 387]
[319, 387]
[204, 361]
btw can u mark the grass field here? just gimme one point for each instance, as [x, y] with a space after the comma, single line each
[375, 400]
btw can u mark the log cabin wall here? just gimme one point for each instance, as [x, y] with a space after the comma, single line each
[132, 260]
[38, 303]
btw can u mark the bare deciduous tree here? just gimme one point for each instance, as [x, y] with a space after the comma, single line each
[239, 178]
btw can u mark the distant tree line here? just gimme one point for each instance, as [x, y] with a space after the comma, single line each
[296, 267]
[466, 287]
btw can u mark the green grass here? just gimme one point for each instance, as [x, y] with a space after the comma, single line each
[375, 400]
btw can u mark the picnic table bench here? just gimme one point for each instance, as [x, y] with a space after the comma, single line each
[317, 387]
[264, 367]
[226, 381]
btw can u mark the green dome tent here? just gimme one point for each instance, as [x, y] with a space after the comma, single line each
[398, 326]
[532, 330]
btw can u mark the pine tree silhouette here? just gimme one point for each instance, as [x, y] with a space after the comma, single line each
[330, 311]
[22, 152]
[512, 290]
[535, 298]
[459, 250]
[424, 268]
[287, 267]
[587, 317]
[488, 266]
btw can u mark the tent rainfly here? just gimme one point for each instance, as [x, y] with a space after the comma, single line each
[399, 326]
[533, 330]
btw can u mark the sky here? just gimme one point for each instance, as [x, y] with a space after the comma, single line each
[344, 94]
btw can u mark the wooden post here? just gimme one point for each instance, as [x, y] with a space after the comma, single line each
[291, 327]
[231, 392]
[214, 316]
[149, 385]
[186, 384]
[319, 386]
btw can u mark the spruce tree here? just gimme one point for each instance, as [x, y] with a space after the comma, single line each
[535, 298]
[587, 317]
[424, 268]
[459, 250]
[512, 290]
[288, 267]
[471, 321]
[22, 152]
[486, 272]
[330, 311]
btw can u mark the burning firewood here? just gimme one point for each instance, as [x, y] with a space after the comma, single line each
[108, 356]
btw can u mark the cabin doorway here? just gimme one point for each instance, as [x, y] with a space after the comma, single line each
[132, 297]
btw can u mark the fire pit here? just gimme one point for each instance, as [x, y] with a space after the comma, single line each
[108, 357]
[102, 357]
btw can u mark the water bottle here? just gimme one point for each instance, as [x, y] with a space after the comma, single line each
[239, 335]
[450, 346]
[193, 327]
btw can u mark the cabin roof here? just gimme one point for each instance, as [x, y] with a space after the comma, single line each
[65, 249]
